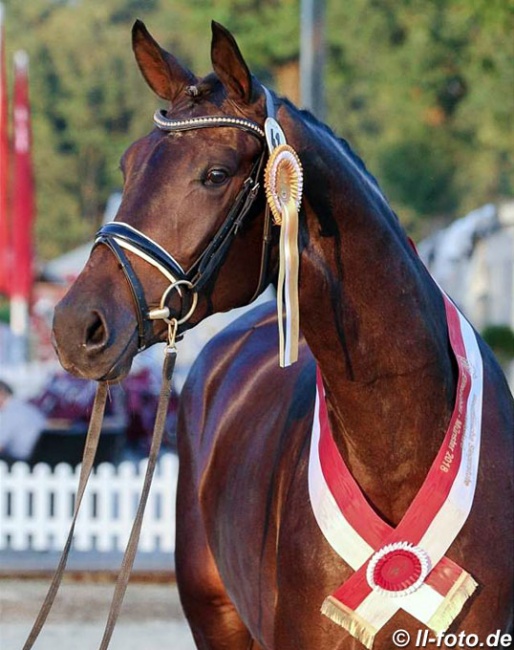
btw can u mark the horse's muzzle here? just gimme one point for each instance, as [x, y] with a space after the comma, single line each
[94, 342]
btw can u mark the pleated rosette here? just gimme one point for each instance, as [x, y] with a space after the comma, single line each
[284, 184]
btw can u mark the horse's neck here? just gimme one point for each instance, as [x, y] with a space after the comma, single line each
[376, 325]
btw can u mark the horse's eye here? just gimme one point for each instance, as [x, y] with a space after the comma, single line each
[216, 177]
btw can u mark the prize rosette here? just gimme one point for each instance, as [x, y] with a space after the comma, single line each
[283, 180]
[398, 569]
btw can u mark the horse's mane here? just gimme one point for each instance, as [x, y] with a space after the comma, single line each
[313, 121]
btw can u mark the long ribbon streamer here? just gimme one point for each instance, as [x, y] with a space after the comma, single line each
[284, 184]
[288, 285]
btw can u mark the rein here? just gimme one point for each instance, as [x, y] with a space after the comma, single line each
[91, 444]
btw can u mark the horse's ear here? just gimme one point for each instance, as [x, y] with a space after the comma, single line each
[163, 73]
[229, 65]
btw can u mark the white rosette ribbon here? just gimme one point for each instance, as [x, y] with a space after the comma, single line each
[284, 184]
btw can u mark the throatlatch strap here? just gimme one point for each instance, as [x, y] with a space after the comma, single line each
[91, 444]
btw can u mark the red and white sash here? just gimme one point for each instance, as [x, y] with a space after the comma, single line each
[403, 567]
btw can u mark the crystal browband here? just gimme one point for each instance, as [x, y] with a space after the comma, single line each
[166, 124]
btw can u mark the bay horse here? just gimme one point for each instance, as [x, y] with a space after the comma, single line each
[253, 566]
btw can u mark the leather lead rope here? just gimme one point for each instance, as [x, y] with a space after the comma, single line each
[91, 445]
[131, 550]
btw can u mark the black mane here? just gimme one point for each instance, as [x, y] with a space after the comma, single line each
[312, 120]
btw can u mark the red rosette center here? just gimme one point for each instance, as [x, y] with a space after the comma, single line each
[397, 570]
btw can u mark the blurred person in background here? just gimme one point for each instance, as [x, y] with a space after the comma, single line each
[21, 425]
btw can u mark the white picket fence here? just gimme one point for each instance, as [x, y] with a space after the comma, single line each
[36, 507]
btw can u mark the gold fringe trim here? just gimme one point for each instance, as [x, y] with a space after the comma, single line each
[349, 620]
[451, 606]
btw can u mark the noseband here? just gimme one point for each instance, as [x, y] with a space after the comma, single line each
[120, 237]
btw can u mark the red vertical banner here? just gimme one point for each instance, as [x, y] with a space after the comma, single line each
[5, 242]
[22, 202]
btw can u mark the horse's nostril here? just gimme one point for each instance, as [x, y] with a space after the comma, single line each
[96, 333]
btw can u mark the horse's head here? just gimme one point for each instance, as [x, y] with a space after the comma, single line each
[188, 238]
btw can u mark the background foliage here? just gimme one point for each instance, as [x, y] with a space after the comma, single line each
[422, 90]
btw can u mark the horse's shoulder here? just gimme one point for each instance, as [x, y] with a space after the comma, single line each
[250, 340]
[255, 332]
[238, 406]
[243, 357]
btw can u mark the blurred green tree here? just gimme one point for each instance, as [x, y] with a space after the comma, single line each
[423, 91]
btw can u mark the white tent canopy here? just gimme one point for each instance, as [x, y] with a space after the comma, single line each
[65, 268]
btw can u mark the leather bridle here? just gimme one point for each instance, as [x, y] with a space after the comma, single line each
[120, 237]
